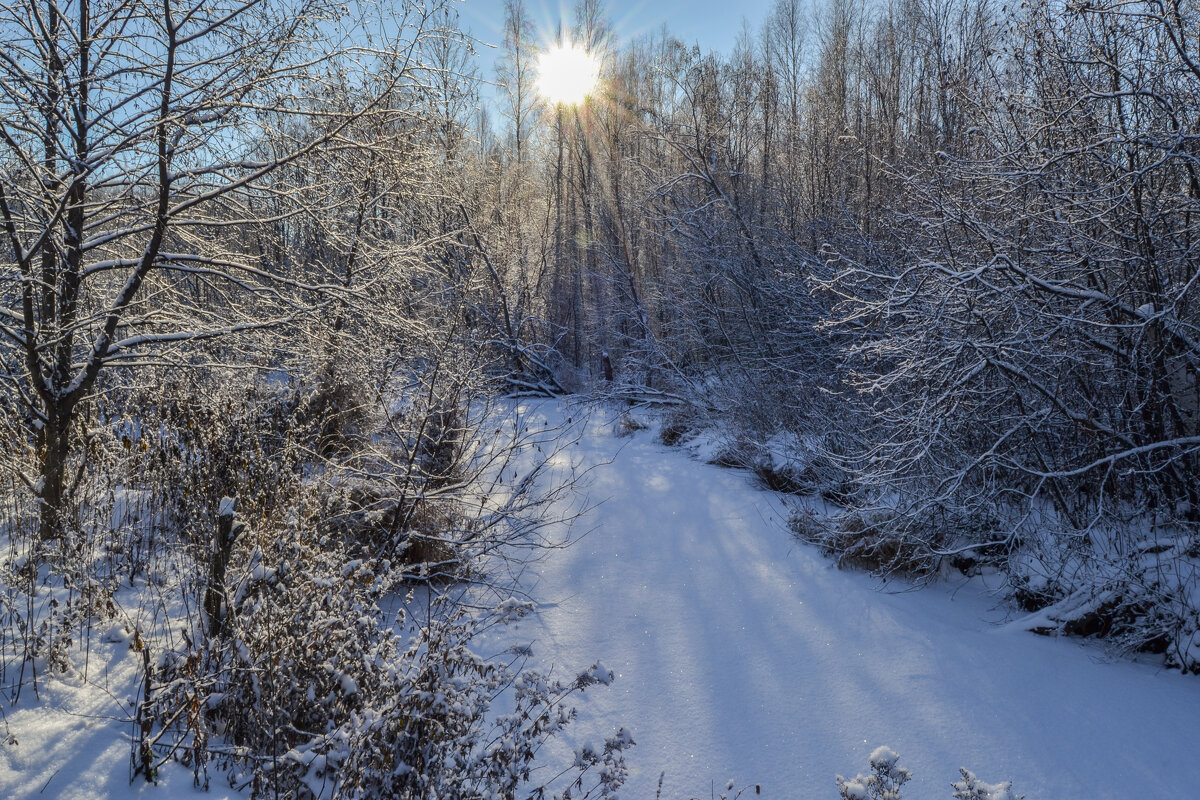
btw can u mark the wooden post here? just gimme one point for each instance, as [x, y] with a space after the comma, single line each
[214, 593]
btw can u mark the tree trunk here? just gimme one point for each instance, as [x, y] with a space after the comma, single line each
[55, 443]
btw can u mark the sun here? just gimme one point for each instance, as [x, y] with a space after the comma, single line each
[567, 74]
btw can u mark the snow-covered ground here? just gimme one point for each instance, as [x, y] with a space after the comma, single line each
[743, 655]
[72, 740]
[740, 655]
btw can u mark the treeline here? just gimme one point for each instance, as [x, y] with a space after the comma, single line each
[942, 252]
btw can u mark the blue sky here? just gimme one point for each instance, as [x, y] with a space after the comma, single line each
[714, 24]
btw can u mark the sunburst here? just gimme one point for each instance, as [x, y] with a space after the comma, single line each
[567, 74]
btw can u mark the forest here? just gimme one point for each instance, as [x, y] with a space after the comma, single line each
[275, 273]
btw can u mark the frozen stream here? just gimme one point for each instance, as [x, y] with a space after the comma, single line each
[744, 655]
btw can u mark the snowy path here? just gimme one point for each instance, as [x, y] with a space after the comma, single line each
[743, 655]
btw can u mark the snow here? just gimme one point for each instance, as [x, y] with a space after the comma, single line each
[734, 654]
[855, 790]
[73, 741]
[741, 654]
[883, 756]
[971, 788]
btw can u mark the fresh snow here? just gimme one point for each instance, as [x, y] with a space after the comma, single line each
[735, 653]
[742, 654]
[73, 742]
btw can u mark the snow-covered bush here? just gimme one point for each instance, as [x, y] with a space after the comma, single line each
[882, 783]
[193, 440]
[332, 411]
[1137, 589]
[887, 777]
[971, 788]
[316, 691]
[882, 540]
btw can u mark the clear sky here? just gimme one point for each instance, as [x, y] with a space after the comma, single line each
[713, 24]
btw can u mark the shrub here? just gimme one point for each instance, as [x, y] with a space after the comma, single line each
[315, 692]
[882, 783]
[886, 778]
[971, 788]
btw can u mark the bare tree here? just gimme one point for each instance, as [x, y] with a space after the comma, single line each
[516, 74]
[139, 140]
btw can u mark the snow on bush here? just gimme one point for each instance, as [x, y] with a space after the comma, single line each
[886, 778]
[882, 783]
[971, 788]
[314, 692]
[1133, 585]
